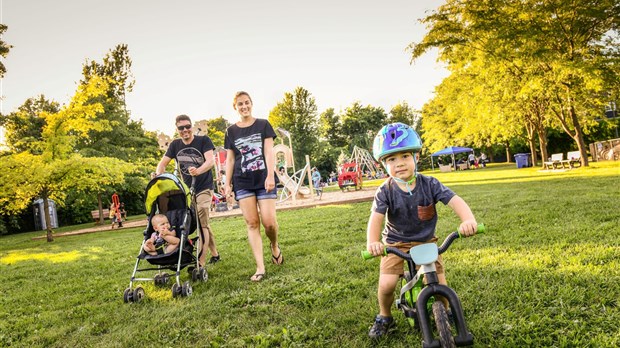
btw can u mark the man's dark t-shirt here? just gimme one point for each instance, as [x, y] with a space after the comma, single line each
[248, 144]
[192, 155]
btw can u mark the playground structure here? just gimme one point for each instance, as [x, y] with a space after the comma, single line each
[292, 185]
[350, 175]
[365, 161]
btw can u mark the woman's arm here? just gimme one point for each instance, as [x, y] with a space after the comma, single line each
[270, 161]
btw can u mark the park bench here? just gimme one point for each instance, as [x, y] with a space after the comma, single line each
[95, 214]
[572, 158]
[555, 162]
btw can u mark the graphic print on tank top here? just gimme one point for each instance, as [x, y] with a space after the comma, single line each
[189, 157]
[251, 153]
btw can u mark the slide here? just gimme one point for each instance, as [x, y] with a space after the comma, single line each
[291, 185]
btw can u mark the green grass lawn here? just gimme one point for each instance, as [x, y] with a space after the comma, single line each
[546, 274]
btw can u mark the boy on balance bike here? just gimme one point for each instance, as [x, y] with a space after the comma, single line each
[406, 201]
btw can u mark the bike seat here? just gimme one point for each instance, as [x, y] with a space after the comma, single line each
[424, 254]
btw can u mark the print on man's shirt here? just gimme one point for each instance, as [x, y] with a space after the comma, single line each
[189, 157]
[251, 153]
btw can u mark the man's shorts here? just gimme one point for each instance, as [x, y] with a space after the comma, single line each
[203, 205]
[393, 264]
[258, 193]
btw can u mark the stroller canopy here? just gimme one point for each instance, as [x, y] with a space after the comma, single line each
[162, 184]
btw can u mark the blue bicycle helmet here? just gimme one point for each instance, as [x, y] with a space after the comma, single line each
[393, 138]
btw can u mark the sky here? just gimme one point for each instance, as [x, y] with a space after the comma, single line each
[191, 56]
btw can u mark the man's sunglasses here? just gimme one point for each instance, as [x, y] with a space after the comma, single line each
[187, 126]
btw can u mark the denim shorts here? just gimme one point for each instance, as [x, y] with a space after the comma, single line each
[258, 193]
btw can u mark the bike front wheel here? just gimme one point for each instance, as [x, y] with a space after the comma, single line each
[443, 325]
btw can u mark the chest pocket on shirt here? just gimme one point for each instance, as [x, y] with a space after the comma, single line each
[426, 213]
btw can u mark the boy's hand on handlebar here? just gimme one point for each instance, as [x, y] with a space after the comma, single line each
[375, 248]
[468, 228]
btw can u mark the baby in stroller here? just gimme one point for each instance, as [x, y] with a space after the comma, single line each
[162, 241]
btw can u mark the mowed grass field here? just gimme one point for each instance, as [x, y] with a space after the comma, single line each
[546, 274]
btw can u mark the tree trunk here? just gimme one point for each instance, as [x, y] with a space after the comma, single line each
[48, 220]
[507, 152]
[100, 203]
[542, 141]
[578, 134]
[581, 145]
[531, 129]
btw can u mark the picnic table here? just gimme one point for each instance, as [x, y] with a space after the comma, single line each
[558, 162]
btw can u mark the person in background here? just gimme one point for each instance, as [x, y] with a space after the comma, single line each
[316, 181]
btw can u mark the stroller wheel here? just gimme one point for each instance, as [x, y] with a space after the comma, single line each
[203, 275]
[176, 290]
[128, 295]
[165, 278]
[138, 294]
[186, 289]
[195, 274]
[157, 279]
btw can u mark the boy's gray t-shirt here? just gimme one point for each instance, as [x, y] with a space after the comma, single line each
[410, 218]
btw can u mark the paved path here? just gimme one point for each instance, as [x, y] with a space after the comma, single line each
[328, 198]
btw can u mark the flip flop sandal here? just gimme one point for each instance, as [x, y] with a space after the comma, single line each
[275, 259]
[257, 277]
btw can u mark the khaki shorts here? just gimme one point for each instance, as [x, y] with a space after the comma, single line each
[393, 264]
[203, 205]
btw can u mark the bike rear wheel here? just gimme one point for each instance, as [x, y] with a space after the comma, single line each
[443, 325]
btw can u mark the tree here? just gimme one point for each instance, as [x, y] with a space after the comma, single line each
[297, 113]
[58, 168]
[403, 113]
[361, 123]
[4, 50]
[216, 130]
[330, 128]
[23, 127]
[573, 44]
[125, 138]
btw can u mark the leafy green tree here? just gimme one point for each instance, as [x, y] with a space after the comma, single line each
[297, 113]
[58, 168]
[4, 49]
[216, 129]
[125, 138]
[404, 113]
[571, 47]
[360, 124]
[330, 128]
[23, 127]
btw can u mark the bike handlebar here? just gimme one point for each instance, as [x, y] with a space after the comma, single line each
[366, 255]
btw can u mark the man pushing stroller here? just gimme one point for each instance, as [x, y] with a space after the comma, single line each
[195, 159]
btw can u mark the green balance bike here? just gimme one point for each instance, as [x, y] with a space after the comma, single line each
[418, 295]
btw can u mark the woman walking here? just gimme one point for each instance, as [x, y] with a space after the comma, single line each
[250, 166]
